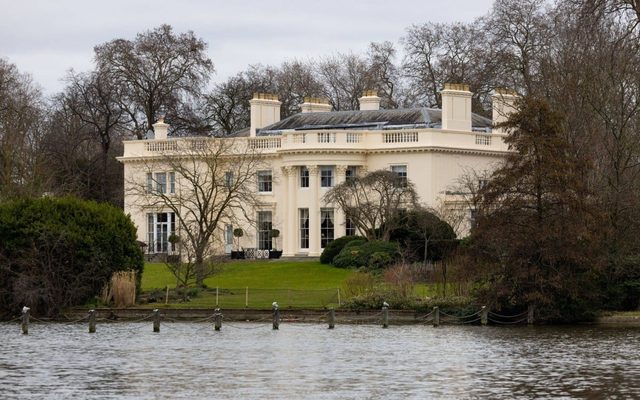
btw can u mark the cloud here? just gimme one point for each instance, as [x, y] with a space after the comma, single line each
[46, 38]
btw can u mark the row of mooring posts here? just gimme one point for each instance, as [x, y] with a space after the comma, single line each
[331, 318]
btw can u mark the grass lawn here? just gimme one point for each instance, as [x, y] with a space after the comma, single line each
[259, 274]
[302, 284]
[256, 284]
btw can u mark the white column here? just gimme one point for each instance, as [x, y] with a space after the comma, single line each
[290, 208]
[314, 211]
[339, 217]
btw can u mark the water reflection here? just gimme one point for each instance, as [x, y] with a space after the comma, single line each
[127, 360]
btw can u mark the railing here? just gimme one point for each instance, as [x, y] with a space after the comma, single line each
[361, 140]
[354, 137]
[161, 145]
[400, 137]
[299, 138]
[265, 143]
[483, 140]
[326, 137]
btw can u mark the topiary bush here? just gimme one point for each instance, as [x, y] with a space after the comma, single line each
[357, 254]
[336, 246]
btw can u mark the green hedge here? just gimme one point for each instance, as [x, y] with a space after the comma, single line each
[56, 253]
[372, 255]
[334, 248]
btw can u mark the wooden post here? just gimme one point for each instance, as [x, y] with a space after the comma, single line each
[156, 320]
[217, 319]
[332, 318]
[166, 296]
[246, 297]
[217, 303]
[436, 316]
[25, 320]
[385, 316]
[92, 321]
[276, 316]
[339, 302]
[484, 315]
[530, 314]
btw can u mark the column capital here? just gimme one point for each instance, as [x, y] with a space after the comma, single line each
[313, 169]
[287, 170]
[341, 169]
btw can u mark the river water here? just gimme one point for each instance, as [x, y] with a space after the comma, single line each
[251, 361]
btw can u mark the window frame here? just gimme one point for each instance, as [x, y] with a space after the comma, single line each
[303, 173]
[303, 228]
[263, 233]
[327, 181]
[263, 185]
[327, 234]
[402, 179]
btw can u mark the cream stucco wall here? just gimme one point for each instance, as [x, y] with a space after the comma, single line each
[435, 159]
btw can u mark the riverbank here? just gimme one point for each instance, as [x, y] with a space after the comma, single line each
[396, 317]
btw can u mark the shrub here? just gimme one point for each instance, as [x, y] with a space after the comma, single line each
[57, 253]
[359, 254]
[336, 246]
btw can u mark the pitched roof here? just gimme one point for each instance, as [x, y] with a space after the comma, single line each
[373, 119]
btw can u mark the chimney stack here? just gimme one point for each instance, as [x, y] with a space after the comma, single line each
[503, 103]
[315, 104]
[369, 101]
[456, 107]
[265, 110]
[160, 129]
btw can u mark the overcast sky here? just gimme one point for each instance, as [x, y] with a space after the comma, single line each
[46, 38]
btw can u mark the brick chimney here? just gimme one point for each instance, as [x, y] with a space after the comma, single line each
[369, 100]
[456, 107]
[265, 110]
[315, 104]
[503, 103]
[160, 129]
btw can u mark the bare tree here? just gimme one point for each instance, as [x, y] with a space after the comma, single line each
[157, 69]
[437, 53]
[22, 116]
[373, 201]
[519, 32]
[344, 78]
[215, 182]
[386, 74]
[95, 101]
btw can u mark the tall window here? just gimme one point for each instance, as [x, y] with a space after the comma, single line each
[228, 179]
[158, 182]
[401, 171]
[159, 227]
[304, 228]
[350, 227]
[264, 230]
[149, 182]
[326, 226]
[228, 238]
[265, 181]
[350, 172]
[304, 177]
[172, 182]
[326, 176]
[161, 182]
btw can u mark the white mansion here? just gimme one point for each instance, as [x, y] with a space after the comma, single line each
[308, 153]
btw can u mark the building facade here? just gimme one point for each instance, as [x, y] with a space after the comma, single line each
[307, 154]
